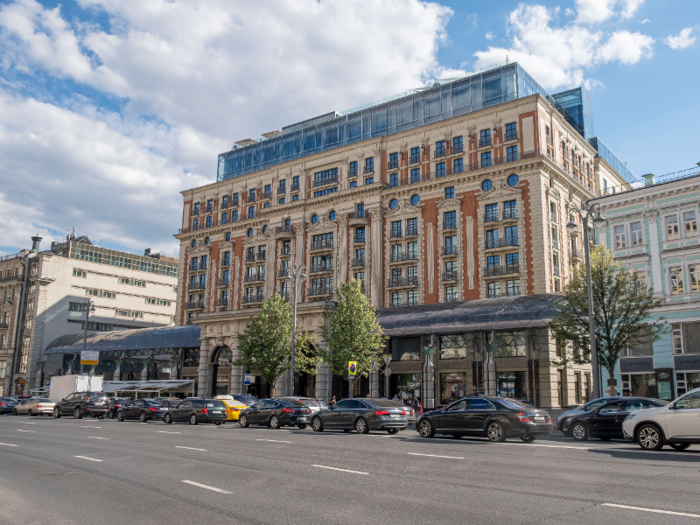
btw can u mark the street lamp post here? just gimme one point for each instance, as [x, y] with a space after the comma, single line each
[585, 212]
[294, 275]
[89, 307]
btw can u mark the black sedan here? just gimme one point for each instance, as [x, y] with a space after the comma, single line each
[143, 410]
[276, 413]
[198, 410]
[362, 415]
[115, 403]
[7, 404]
[494, 417]
[605, 422]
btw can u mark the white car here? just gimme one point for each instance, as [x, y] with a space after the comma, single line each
[35, 407]
[676, 424]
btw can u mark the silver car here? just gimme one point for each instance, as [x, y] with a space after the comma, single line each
[35, 407]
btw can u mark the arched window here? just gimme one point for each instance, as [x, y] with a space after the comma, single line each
[314, 219]
[393, 204]
[513, 180]
[415, 199]
[223, 356]
[486, 185]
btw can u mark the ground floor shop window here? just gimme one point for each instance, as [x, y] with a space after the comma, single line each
[222, 385]
[687, 382]
[408, 387]
[511, 384]
[405, 349]
[452, 387]
[641, 385]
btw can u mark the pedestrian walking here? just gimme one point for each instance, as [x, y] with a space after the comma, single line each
[332, 402]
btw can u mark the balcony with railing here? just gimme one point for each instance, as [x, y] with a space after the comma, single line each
[484, 142]
[511, 135]
[283, 272]
[261, 256]
[295, 186]
[252, 299]
[576, 255]
[193, 267]
[224, 281]
[491, 216]
[357, 218]
[222, 302]
[359, 239]
[319, 290]
[510, 214]
[457, 148]
[224, 205]
[368, 169]
[194, 305]
[449, 276]
[502, 269]
[197, 285]
[411, 231]
[396, 233]
[439, 152]
[321, 268]
[209, 209]
[352, 172]
[392, 164]
[235, 202]
[510, 292]
[9, 278]
[251, 199]
[449, 224]
[398, 282]
[195, 211]
[501, 243]
[266, 195]
[357, 262]
[225, 263]
[282, 190]
[403, 257]
[286, 251]
[284, 294]
[322, 181]
[253, 278]
[414, 158]
[449, 250]
[556, 271]
[284, 232]
[324, 244]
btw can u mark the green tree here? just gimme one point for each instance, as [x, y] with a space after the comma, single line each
[266, 341]
[352, 333]
[622, 311]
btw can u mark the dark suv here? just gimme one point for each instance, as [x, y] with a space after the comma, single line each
[81, 404]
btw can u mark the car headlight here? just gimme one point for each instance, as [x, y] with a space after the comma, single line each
[630, 416]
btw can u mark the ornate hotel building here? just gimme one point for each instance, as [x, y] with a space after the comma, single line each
[448, 203]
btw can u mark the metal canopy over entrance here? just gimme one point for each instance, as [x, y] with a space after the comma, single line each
[150, 387]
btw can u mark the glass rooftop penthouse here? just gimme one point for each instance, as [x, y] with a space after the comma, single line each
[418, 108]
[579, 114]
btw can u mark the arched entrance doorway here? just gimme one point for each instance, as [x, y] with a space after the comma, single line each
[221, 371]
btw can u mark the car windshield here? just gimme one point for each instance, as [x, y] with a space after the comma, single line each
[309, 402]
[385, 403]
[152, 403]
[514, 403]
[215, 403]
[322, 404]
[43, 400]
[290, 402]
[248, 400]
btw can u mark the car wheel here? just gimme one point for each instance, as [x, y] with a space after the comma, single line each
[317, 424]
[425, 429]
[496, 432]
[457, 436]
[56, 414]
[243, 421]
[14, 412]
[120, 417]
[77, 414]
[361, 426]
[528, 439]
[274, 422]
[346, 430]
[30, 413]
[168, 419]
[101, 416]
[193, 419]
[218, 423]
[392, 431]
[679, 446]
[579, 432]
[301, 427]
[109, 415]
[143, 418]
[649, 438]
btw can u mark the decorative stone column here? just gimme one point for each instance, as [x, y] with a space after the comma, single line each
[144, 371]
[118, 369]
[323, 386]
[203, 369]
[237, 372]
[281, 385]
[490, 373]
[429, 401]
[374, 381]
[387, 373]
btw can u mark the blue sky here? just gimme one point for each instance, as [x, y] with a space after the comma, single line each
[110, 108]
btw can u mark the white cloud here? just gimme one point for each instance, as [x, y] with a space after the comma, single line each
[645, 21]
[681, 40]
[629, 7]
[559, 56]
[597, 11]
[490, 36]
[210, 73]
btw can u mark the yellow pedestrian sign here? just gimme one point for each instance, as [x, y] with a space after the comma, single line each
[352, 368]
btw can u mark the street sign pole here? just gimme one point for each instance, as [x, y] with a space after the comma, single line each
[352, 371]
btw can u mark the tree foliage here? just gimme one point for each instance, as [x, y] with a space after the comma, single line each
[622, 311]
[352, 332]
[266, 341]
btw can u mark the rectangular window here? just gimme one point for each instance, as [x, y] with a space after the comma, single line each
[440, 148]
[453, 347]
[164, 302]
[360, 211]
[79, 273]
[450, 192]
[677, 284]
[412, 272]
[451, 243]
[326, 177]
[457, 166]
[491, 213]
[512, 154]
[513, 287]
[122, 313]
[266, 205]
[353, 184]
[485, 159]
[251, 212]
[251, 195]
[450, 266]
[691, 224]
[282, 186]
[396, 229]
[415, 175]
[268, 191]
[369, 180]
[295, 182]
[457, 145]
[672, 228]
[75, 307]
[415, 155]
[484, 138]
[440, 170]
[282, 200]
[236, 199]
[393, 161]
[412, 250]
[493, 260]
[327, 191]
[511, 344]
[411, 298]
[492, 239]
[677, 338]
[636, 234]
[369, 165]
[511, 235]
[694, 273]
[296, 197]
[360, 234]
[511, 131]
[411, 226]
[394, 180]
[512, 258]
[150, 300]
[510, 210]
[352, 170]
[450, 220]
[395, 298]
[620, 237]
[234, 216]
[451, 294]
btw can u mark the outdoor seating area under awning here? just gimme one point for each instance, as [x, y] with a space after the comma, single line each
[171, 386]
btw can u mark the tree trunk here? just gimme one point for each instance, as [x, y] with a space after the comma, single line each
[272, 390]
[612, 376]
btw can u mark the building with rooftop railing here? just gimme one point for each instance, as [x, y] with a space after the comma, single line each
[445, 202]
[653, 231]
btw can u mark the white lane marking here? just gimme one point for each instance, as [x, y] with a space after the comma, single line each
[90, 459]
[28, 422]
[7, 445]
[167, 432]
[434, 456]
[555, 446]
[89, 426]
[273, 440]
[657, 511]
[190, 448]
[96, 437]
[22, 430]
[205, 486]
[342, 470]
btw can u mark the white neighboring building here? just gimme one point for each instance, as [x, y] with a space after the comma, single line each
[128, 291]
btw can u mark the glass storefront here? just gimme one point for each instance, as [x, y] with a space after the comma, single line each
[453, 347]
[452, 387]
[408, 387]
[511, 384]
[641, 385]
[687, 381]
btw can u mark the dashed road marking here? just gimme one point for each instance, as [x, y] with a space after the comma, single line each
[433, 455]
[89, 426]
[89, 459]
[7, 445]
[167, 432]
[96, 437]
[342, 470]
[656, 511]
[190, 448]
[200, 485]
[22, 430]
[273, 440]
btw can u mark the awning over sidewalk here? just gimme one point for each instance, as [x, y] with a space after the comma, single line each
[156, 386]
[509, 313]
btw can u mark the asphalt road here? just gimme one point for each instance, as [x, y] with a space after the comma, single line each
[93, 471]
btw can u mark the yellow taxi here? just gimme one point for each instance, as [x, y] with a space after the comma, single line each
[233, 407]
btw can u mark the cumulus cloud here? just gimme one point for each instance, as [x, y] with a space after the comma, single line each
[559, 56]
[597, 11]
[681, 40]
[490, 36]
[188, 80]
